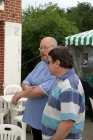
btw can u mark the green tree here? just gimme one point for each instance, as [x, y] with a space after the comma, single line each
[47, 20]
[82, 15]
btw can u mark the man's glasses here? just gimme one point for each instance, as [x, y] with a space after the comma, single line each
[48, 62]
[44, 48]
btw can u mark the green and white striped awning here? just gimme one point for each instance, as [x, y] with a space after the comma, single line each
[84, 38]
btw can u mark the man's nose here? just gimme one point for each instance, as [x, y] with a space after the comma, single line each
[42, 50]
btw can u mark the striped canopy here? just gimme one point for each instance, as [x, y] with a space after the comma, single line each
[84, 38]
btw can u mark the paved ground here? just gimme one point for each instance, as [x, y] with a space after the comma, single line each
[88, 129]
[87, 133]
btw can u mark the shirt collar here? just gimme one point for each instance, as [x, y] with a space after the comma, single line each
[67, 74]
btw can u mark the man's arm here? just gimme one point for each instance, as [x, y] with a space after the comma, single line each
[25, 86]
[31, 92]
[63, 130]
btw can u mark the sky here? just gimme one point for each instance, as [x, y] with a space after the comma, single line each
[62, 3]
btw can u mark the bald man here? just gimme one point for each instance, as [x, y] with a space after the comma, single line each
[36, 87]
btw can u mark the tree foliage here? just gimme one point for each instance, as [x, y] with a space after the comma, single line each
[82, 15]
[47, 20]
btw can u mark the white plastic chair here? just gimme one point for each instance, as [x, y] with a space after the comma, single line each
[3, 112]
[12, 90]
[11, 132]
[17, 110]
[91, 101]
[23, 125]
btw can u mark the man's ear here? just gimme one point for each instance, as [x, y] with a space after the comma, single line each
[57, 63]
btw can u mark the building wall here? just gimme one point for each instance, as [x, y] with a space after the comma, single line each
[12, 13]
[1, 56]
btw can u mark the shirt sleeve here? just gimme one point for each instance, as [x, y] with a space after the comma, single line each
[71, 101]
[48, 84]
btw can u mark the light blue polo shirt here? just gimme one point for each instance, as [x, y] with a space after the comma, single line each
[41, 77]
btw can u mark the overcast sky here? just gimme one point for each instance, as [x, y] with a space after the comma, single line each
[61, 3]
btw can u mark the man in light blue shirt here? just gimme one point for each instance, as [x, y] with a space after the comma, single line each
[36, 87]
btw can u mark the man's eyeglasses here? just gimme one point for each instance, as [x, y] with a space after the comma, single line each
[44, 48]
[48, 62]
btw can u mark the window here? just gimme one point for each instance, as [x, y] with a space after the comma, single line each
[1, 5]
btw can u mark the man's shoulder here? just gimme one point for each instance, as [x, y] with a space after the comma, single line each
[40, 63]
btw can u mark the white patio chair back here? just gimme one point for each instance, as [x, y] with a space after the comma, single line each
[11, 132]
[12, 89]
[3, 112]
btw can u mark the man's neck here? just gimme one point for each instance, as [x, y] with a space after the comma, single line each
[61, 71]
